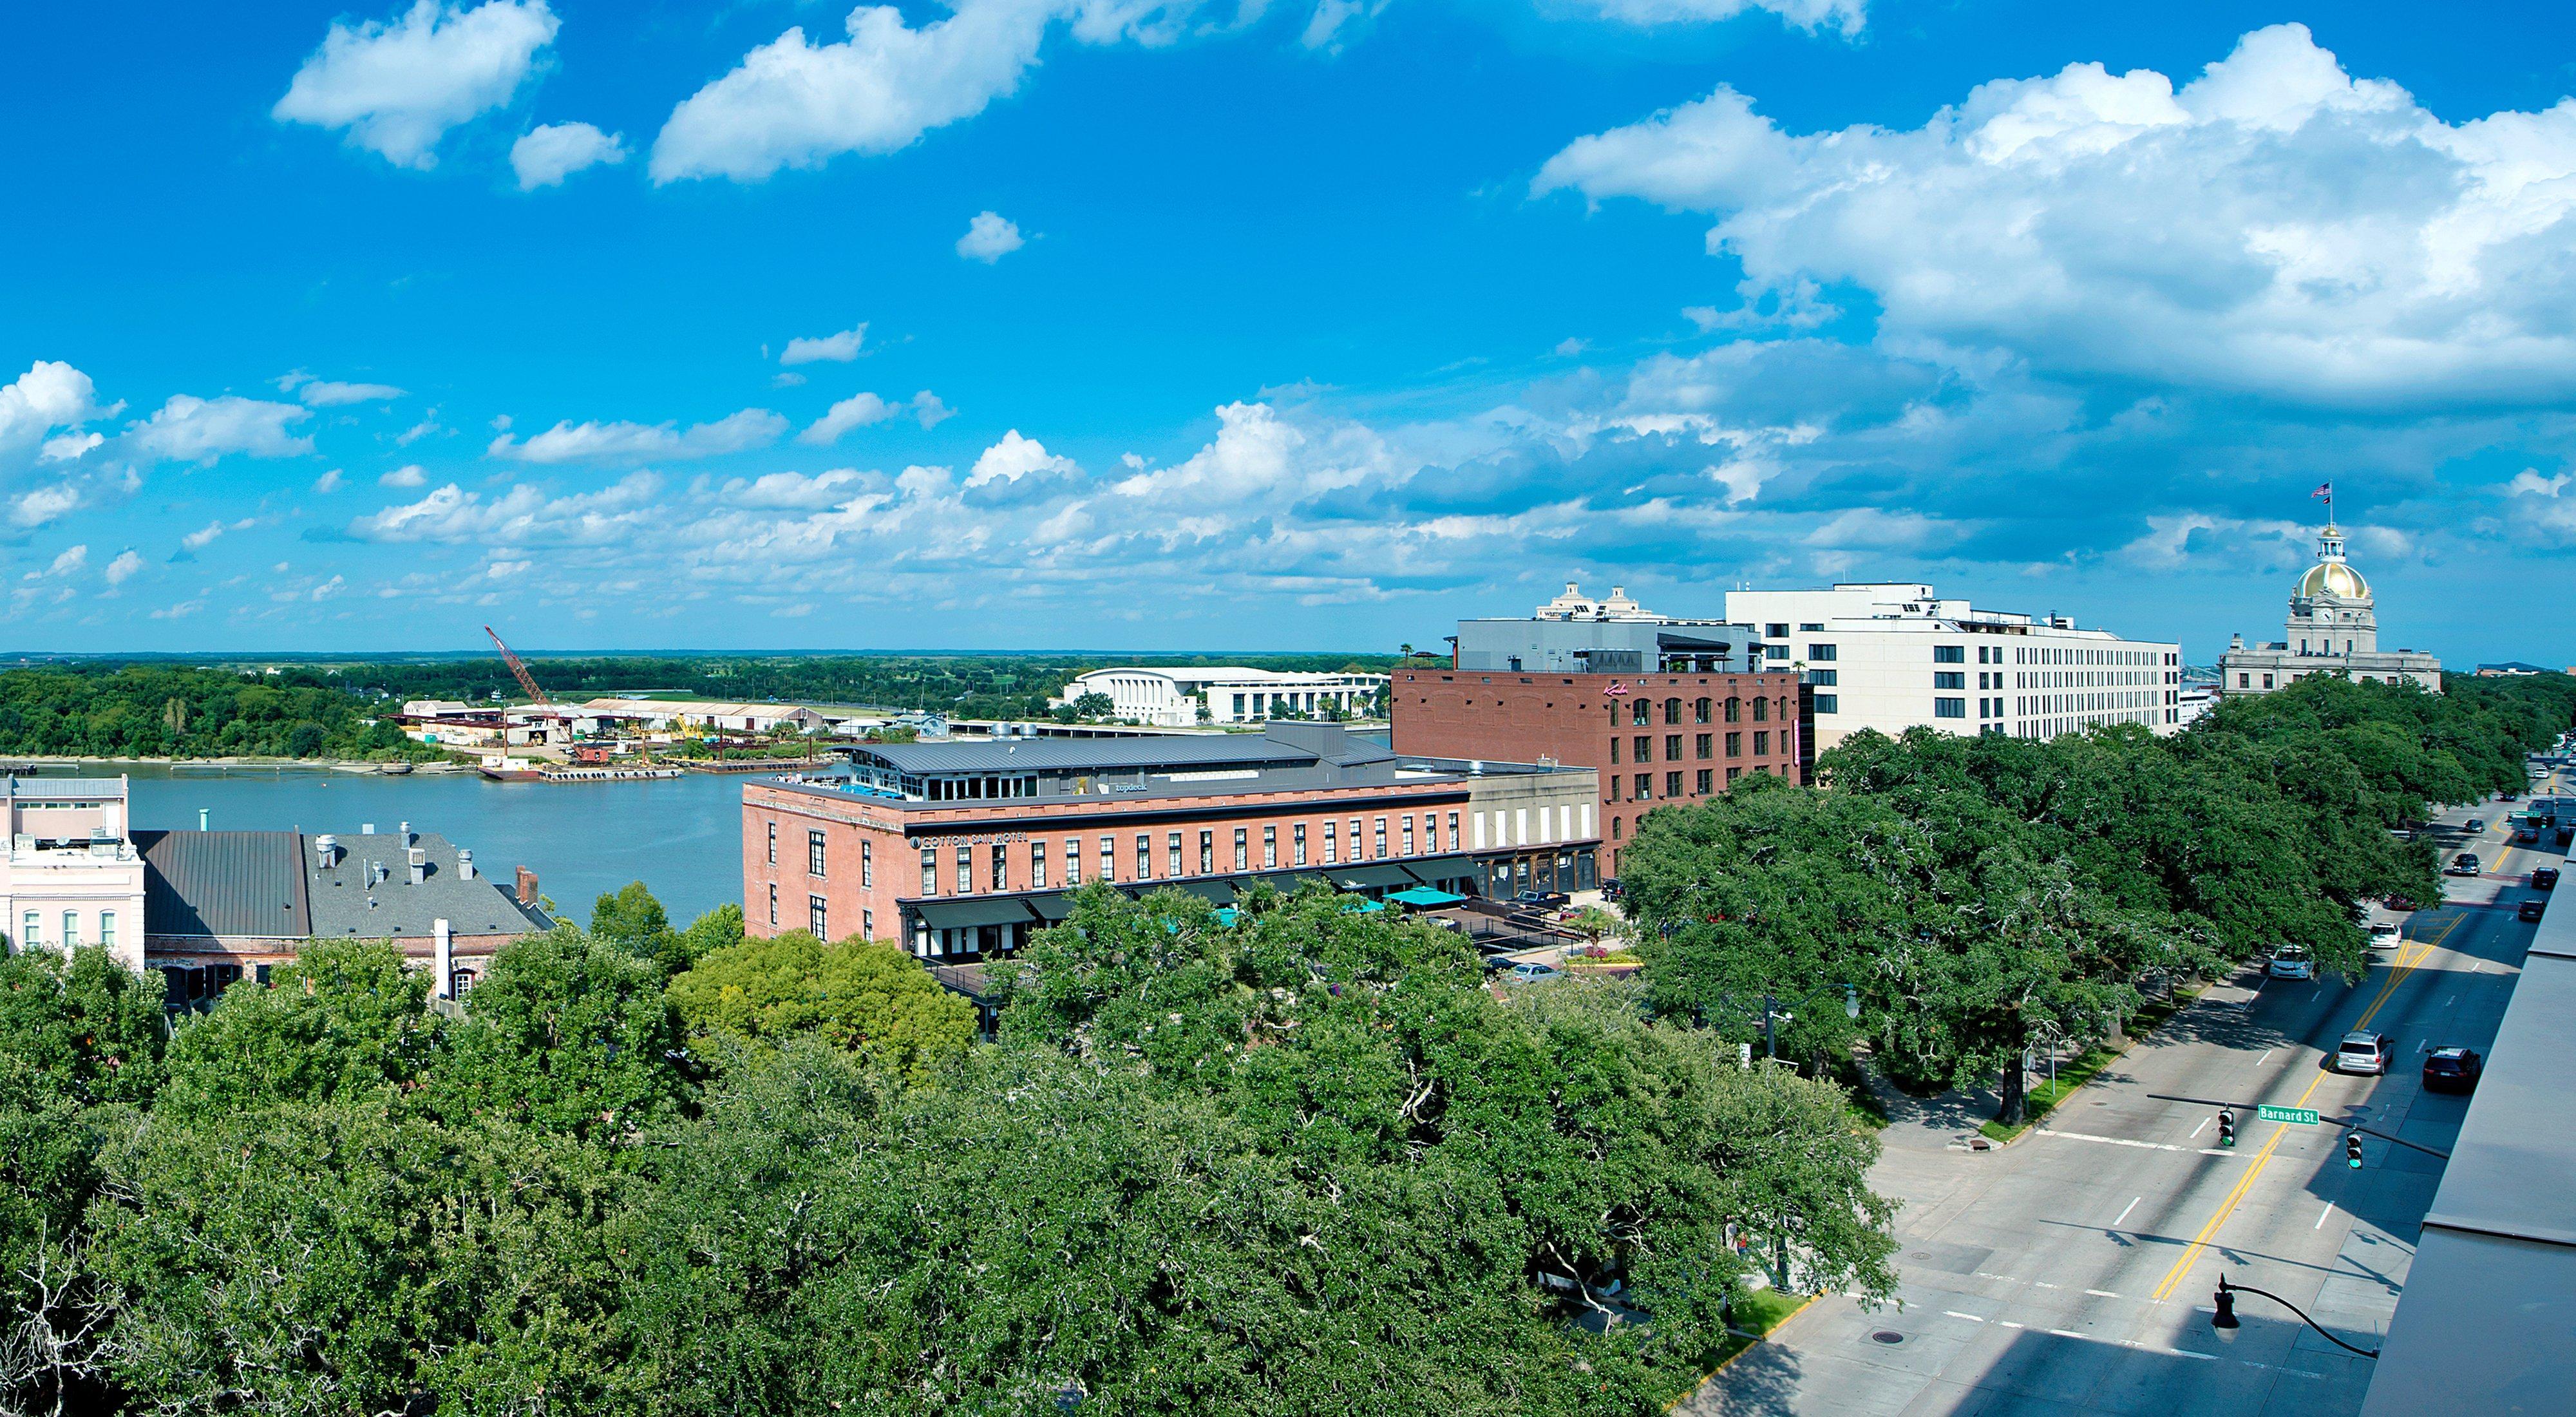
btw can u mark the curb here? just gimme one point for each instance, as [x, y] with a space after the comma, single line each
[1711, 1374]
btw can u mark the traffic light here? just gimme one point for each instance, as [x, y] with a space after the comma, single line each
[2226, 1127]
[2352, 1150]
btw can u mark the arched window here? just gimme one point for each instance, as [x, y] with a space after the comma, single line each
[1699, 712]
[1734, 710]
[1761, 710]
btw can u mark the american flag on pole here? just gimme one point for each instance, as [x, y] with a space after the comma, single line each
[2325, 491]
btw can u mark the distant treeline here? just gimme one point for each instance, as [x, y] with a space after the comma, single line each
[964, 685]
[189, 713]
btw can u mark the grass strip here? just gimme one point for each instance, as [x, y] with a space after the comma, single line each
[2044, 1098]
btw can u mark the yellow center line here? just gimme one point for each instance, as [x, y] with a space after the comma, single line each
[2408, 960]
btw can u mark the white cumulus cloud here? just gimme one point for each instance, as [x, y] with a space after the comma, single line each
[189, 429]
[122, 569]
[409, 475]
[50, 395]
[550, 152]
[861, 409]
[833, 349]
[327, 393]
[795, 103]
[1845, 16]
[2275, 226]
[590, 442]
[1016, 457]
[989, 237]
[395, 88]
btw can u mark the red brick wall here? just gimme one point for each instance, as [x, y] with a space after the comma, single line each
[1573, 719]
[880, 843]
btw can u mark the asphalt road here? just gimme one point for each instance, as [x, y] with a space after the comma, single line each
[2071, 1272]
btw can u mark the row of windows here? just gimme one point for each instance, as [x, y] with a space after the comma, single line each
[1410, 835]
[31, 930]
[2055, 654]
[1641, 712]
[1703, 746]
[818, 916]
[1641, 787]
[814, 857]
[1702, 784]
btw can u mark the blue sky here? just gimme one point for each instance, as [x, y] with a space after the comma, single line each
[1307, 324]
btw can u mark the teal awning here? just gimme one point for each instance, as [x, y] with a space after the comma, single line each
[1363, 907]
[1425, 897]
[1364, 877]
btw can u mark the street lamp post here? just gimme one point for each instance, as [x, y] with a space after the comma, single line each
[2226, 1323]
[1772, 1013]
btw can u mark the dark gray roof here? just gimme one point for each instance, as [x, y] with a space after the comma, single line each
[2488, 1319]
[230, 884]
[1287, 745]
[341, 898]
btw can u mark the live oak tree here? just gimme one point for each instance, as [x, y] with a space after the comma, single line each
[868, 998]
[1985, 894]
[80, 1046]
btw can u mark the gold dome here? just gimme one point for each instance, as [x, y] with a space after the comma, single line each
[2333, 578]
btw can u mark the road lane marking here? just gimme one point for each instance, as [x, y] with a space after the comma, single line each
[2006, 1323]
[2124, 1210]
[2227, 1205]
[2196, 1131]
[2101, 1293]
[2129, 1141]
[2267, 1056]
[2321, 1216]
[1972, 1318]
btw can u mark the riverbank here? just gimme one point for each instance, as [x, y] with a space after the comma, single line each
[343, 765]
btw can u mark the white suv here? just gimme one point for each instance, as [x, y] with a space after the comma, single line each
[2364, 1053]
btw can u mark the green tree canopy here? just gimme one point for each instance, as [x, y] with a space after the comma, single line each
[865, 997]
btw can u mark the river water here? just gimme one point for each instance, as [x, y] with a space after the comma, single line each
[681, 836]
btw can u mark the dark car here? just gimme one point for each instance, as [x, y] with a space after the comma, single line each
[2545, 879]
[2452, 1070]
[2528, 836]
[2464, 864]
[2402, 903]
[1612, 890]
[1541, 900]
[2474, 824]
[2530, 910]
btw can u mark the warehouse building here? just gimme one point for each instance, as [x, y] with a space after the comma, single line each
[961, 850]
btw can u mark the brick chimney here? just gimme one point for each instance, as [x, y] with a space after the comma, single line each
[527, 886]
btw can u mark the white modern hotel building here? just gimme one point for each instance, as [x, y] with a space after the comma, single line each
[1892, 655]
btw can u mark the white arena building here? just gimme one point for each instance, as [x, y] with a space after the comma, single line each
[1171, 698]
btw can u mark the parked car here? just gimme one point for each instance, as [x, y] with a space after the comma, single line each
[2530, 910]
[2385, 935]
[2452, 1070]
[2291, 962]
[2464, 864]
[2364, 1053]
[1612, 890]
[2402, 903]
[2545, 879]
[1532, 972]
[1542, 900]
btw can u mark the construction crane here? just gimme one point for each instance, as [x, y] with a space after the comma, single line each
[519, 669]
